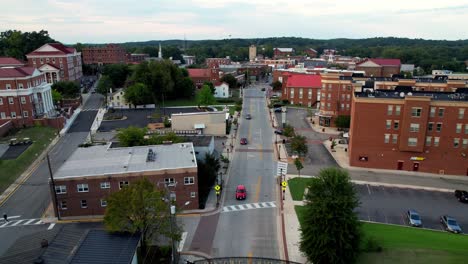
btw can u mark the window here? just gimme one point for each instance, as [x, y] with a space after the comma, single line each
[13, 114]
[387, 138]
[329, 96]
[328, 105]
[459, 128]
[441, 112]
[10, 100]
[292, 92]
[60, 189]
[456, 142]
[342, 97]
[84, 204]
[23, 100]
[82, 187]
[324, 95]
[47, 60]
[1, 101]
[8, 86]
[439, 127]
[2, 115]
[394, 138]
[397, 110]
[430, 126]
[169, 181]
[20, 86]
[390, 110]
[105, 185]
[347, 106]
[193, 194]
[123, 184]
[389, 124]
[310, 94]
[461, 113]
[433, 110]
[414, 127]
[42, 60]
[348, 97]
[300, 93]
[25, 114]
[416, 111]
[396, 124]
[466, 129]
[63, 205]
[34, 61]
[412, 142]
[342, 106]
[189, 180]
[465, 143]
[103, 203]
[436, 141]
[428, 141]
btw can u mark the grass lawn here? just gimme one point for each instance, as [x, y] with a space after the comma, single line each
[297, 187]
[410, 245]
[11, 169]
[181, 102]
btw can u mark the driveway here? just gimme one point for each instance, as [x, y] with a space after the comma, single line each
[389, 204]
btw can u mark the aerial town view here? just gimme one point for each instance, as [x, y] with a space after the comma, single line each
[233, 132]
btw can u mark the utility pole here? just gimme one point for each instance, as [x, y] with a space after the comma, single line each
[174, 256]
[53, 188]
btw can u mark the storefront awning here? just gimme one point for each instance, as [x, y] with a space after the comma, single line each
[199, 126]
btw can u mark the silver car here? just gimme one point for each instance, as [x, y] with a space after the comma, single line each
[413, 218]
[450, 224]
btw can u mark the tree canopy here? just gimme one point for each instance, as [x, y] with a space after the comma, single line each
[230, 80]
[205, 97]
[277, 85]
[299, 145]
[343, 121]
[104, 85]
[134, 136]
[17, 44]
[138, 94]
[330, 231]
[67, 89]
[117, 73]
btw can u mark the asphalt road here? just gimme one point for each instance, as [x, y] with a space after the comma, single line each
[250, 228]
[388, 205]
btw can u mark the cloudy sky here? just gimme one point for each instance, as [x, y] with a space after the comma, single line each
[103, 21]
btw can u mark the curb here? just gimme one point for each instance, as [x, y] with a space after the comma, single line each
[196, 253]
[419, 228]
[402, 186]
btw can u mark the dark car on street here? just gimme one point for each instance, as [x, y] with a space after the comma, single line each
[248, 116]
[413, 218]
[278, 110]
[279, 132]
[450, 224]
[462, 196]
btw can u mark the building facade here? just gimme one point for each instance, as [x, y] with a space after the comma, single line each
[24, 96]
[252, 52]
[58, 62]
[282, 52]
[416, 131]
[200, 76]
[302, 89]
[108, 54]
[380, 67]
[311, 53]
[222, 90]
[85, 181]
[215, 62]
[137, 57]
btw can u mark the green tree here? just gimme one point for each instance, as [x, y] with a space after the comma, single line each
[288, 131]
[187, 87]
[132, 136]
[117, 73]
[138, 94]
[330, 232]
[56, 96]
[277, 85]
[299, 145]
[68, 89]
[207, 173]
[205, 97]
[104, 85]
[230, 80]
[299, 166]
[211, 85]
[140, 208]
[343, 121]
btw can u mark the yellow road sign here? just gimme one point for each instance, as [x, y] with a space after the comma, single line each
[217, 187]
[284, 188]
[284, 183]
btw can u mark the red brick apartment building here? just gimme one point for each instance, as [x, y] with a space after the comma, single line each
[380, 67]
[282, 52]
[24, 96]
[84, 182]
[302, 89]
[416, 131]
[57, 61]
[108, 54]
[200, 76]
[215, 62]
[311, 53]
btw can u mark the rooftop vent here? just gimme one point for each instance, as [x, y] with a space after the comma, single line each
[151, 157]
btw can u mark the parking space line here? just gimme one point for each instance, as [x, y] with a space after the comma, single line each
[368, 189]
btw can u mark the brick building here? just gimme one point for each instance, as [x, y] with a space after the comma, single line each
[108, 54]
[215, 62]
[302, 89]
[200, 76]
[282, 52]
[311, 53]
[420, 84]
[416, 131]
[379, 67]
[57, 61]
[137, 57]
[24, 96]
[84, 182]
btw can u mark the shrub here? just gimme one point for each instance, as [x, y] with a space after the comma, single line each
[372, 245]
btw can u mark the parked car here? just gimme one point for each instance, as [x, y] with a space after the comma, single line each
[450, 224]
[263, 89]
[241, 192]
[248, 116]
[278, 110]
[243, 141]
[279, 132]
[413, 218]
[462, 196]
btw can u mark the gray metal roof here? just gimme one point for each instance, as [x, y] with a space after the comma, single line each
[103, 160]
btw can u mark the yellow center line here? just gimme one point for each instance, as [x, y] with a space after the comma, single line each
[249, 255]
[257, 189]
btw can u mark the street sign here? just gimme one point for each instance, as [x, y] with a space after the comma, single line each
[217, 188]
[282, 168]
[284, 184]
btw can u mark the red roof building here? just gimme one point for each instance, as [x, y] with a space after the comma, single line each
[57, 61]
[10, 62]
[200, 76]
[302, 89]
[379, 67]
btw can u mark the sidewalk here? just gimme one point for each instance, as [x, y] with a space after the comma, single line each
[321, 129]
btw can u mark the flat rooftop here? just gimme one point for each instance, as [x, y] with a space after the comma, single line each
[103, 160]
[437, 96]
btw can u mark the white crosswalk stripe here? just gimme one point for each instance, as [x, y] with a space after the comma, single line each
[241, 207]
[90, 109]
[21, 222]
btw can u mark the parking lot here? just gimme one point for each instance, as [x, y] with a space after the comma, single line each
[389, 205]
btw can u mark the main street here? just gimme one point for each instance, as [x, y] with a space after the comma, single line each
[247, 227]
[32, 198]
